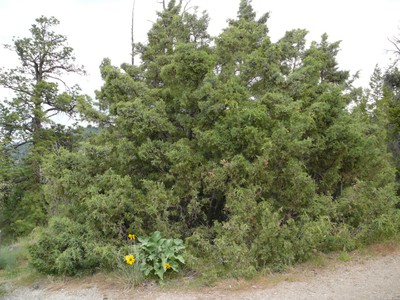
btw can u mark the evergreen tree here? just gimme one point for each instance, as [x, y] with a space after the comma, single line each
[44, 57]
[246, 148]
[28, 130]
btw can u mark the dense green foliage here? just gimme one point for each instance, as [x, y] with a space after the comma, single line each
[66, 247]
[27, 129]
[256, 153]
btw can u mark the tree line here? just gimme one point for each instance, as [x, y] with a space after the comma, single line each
[255, 153]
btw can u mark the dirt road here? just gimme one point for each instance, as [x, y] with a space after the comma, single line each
[375, 278]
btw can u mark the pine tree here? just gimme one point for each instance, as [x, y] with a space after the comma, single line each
[28, 130]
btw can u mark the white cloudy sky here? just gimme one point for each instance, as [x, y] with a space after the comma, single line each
[101, 28]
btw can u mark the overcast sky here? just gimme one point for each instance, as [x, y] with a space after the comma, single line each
[101, 28]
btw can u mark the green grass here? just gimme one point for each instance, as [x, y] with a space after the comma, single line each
[3, 290]
[344, 256]
[15, 270]
[10, 255]
[318, 260]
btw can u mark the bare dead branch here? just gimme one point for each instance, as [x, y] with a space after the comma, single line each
[16, 146]
[51, 109]
[185, 9]
[163, 3]
[132, 34]
[60, 80]
[17, 89]
[55, 114]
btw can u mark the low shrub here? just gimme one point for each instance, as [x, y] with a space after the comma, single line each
[67, 248]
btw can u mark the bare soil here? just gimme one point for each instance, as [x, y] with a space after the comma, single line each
[371, 275]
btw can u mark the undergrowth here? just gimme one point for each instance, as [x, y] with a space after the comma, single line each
[18, 272]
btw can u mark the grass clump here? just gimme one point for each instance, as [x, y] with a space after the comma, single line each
[9, 256]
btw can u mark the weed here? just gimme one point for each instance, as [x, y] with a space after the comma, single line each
[10, 255]
[344, 256]
[318, 260]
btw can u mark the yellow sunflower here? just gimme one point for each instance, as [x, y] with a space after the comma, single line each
[130, 259]
[167, 266]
